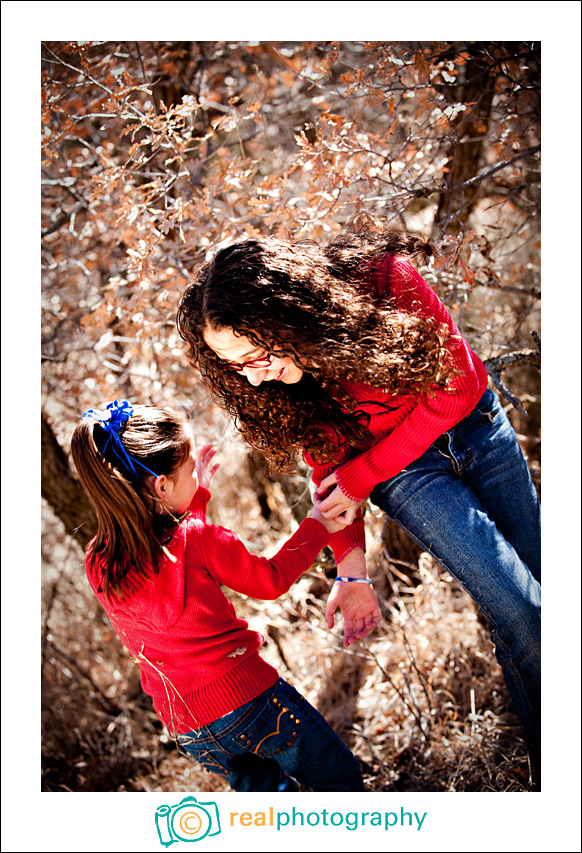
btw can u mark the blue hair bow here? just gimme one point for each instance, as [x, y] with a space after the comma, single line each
[115, 415]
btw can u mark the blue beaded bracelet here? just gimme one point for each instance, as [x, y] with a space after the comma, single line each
[354, 580]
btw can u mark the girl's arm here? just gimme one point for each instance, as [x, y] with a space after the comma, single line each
[230, 563]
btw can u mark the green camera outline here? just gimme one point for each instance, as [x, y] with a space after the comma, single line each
[167, 813]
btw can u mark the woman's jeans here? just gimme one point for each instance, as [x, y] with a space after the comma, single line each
[470, 502]
[273, 742]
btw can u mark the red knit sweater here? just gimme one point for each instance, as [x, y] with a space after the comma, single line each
[403, 434]
[198, 660]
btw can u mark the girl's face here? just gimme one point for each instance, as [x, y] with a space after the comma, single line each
[183, 484]
[256, 364]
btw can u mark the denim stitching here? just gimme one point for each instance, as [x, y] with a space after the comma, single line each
[245, 739]
[469, 461]
[489, 415]
[211, 737]
[188, 739]
[239, 720]
[276, 732]
[457, 467]
[509, 660]
[210, 762]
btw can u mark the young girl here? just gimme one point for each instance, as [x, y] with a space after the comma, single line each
[156, 566]
[343, 353]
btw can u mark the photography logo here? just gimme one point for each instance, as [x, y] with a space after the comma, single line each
[188, 821]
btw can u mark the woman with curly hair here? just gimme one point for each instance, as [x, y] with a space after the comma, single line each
[344, 354]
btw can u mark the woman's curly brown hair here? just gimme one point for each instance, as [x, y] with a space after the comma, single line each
[308, 302]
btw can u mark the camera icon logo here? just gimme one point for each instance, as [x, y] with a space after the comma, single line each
[188, 821]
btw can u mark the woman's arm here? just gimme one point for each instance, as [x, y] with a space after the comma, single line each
[353, 535]
[429, 415]
[357, 601]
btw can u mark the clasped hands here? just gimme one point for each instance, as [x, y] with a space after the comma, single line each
[357, 601]
[335, 505]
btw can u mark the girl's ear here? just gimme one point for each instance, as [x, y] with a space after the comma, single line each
[163, 487]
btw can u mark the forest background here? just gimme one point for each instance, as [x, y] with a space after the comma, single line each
[329, 173]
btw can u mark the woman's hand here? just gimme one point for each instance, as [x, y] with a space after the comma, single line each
[336, 504]
[205, 472]
[332, 525]
[357, 601]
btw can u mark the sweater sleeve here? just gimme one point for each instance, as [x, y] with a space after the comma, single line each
[231, 564]
[430, 414]
[199, 503]
[352, 536]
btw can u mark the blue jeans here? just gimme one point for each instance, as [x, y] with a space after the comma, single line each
[273, 742]
[470, 502]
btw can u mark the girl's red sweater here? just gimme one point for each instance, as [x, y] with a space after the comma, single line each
[198, 660]
[416, 420]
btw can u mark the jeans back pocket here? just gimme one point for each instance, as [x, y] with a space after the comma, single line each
[272, 731]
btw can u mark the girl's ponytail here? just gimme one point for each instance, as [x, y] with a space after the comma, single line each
[116, 454]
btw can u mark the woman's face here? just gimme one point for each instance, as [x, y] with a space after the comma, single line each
[255, 363]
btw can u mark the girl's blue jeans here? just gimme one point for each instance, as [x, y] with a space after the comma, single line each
[470, 502]
[273, 742]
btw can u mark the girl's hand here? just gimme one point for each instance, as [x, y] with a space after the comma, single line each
[336, 505]
[332, 525]
[205, 472]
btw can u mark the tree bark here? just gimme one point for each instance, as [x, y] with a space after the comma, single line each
[471, 126]
[62, 491]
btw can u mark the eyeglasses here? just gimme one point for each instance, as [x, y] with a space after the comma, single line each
[256, 363]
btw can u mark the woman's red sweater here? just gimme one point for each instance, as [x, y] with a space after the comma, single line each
[415, 420]
[198, 660]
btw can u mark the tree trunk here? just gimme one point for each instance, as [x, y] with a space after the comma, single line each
[471, 126]
[62, 491]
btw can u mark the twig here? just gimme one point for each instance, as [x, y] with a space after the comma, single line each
[524, 356]
[103, 699]
[143, 71]
[421, 678]
[505, 392]
[92, 79]
[459, 765]
[425, 192]
[536, 338]
[494, 366]
[413, 697]
[275, 635]
[506, 288]
[416, 716]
